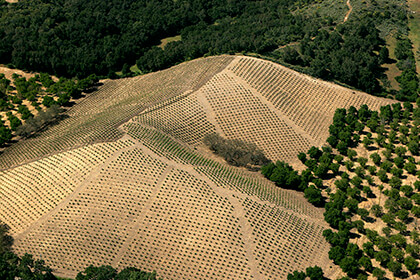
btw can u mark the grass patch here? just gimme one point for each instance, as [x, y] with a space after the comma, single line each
[167, 40]
[135, 69]
[392, 69]
[414, 27]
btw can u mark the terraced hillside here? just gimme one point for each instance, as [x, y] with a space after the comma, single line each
[124, 181]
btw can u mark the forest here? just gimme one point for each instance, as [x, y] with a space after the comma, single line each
[76, 38]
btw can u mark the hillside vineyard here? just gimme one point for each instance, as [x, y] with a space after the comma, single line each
[124, 181]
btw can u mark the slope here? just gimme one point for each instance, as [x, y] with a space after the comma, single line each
[148, 197]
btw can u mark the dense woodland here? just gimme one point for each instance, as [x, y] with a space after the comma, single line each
[76, 38]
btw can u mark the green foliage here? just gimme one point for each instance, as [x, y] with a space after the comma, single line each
[14, 121]
[25, 268]
[296, 275]
[377, 210]
[25, 113]
[48, 101]
[6, 241]
[5, 134]
[314, 195]
[283, 175]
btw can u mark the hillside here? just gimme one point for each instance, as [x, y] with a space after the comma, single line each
[126, 181]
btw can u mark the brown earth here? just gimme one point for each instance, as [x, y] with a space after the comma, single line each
[124, 181]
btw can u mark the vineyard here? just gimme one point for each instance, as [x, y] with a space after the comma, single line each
[125, 180]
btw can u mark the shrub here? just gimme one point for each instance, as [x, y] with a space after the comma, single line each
[236, 152]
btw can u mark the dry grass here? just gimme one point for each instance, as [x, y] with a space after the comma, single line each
[167, 40]
[414, 26]
[152, 199]
[392, 69]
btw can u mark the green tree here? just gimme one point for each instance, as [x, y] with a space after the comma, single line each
[14, 121]
[376, 210]
[382, 257]
[314, 195]
[379, 273]
[315, 273]
[104, 272]
[366, 263]
[376, 158]
[5, 134]
[413, 147]
[350, 266]
[411, 264]
[296, 275]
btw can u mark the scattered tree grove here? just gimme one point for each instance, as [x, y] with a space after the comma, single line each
[382, 172]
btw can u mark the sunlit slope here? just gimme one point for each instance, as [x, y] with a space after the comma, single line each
[97, 118]
[158, 205]
[280, 110]
[124, 180]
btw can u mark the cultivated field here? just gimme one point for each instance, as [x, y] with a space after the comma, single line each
[126, 181]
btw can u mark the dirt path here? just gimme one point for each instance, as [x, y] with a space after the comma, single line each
[348, 13]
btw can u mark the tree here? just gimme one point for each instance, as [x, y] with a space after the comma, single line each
[25, 268]
[411, 168]
[363, 213]
[131, 273]
[413, 147]
[399, 162]
[6, 240]
[376, 158]
[366, 263]
[382, 257]
[48, 101]
[314, 153]
[282, 174]
[296, 275]
[376, 210]
[314, 195]
[350, 266]
[336, 254]
[14, 121]
[369, 249]
[394, 267]
[398, 254]
[362, 161]
[333, 216]
[315, 273]
[5, 134]
[351, 154]
[302, 157]
[379, 273]
[395, 182]
[403, 215]
[411, 264]
[104, 272]
[382, 175]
